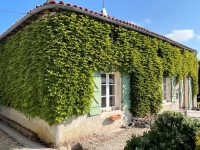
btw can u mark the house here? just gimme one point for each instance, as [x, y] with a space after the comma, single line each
[68, 72]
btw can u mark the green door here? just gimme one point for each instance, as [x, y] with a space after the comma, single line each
[189, 93]
[96, 100]
[173, 86]
[126, 102]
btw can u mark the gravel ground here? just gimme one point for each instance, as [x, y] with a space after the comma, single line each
[117, 140]
[7, 143]
[111, 141]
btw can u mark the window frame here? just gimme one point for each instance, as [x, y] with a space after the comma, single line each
[107, 96]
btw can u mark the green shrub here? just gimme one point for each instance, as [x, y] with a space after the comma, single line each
[134, 142]
[198, 141]
[170, 131]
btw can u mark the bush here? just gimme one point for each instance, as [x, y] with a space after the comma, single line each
[170, 131]
[134, 142]
[198, 141]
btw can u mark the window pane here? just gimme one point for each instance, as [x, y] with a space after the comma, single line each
[103, 102]
[103, 90]
[112, 89]
[111, 79]
[103, 78]
[112, 101]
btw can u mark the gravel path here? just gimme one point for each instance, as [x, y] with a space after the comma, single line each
[117, 140]
[111, 141]
[7, 143]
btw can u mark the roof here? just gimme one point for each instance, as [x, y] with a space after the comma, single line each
[38, 10]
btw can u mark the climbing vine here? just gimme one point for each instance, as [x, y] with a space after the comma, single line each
[47, 68]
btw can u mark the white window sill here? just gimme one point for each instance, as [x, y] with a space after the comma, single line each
[109, 109]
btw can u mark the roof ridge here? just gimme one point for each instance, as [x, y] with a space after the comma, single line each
[53, 4]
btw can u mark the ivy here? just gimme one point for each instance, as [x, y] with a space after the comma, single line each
[47, 68]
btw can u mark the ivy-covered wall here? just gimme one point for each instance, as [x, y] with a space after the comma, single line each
[47, 68]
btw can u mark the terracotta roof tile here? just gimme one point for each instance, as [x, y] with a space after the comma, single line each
[61, 2]
[75, 6]
[52, 2]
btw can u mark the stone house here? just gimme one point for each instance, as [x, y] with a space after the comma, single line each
[111, 103]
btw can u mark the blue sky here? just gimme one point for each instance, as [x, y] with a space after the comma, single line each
[176, 19]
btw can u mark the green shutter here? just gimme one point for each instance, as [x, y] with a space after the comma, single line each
[181, 93]
[126, 102]
[173, 86]
[96, 100]
[189, 93]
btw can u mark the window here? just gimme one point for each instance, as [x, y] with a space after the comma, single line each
[111, 92]
[160, 53]
[113, 37]
[107, 90]
[164, 87]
